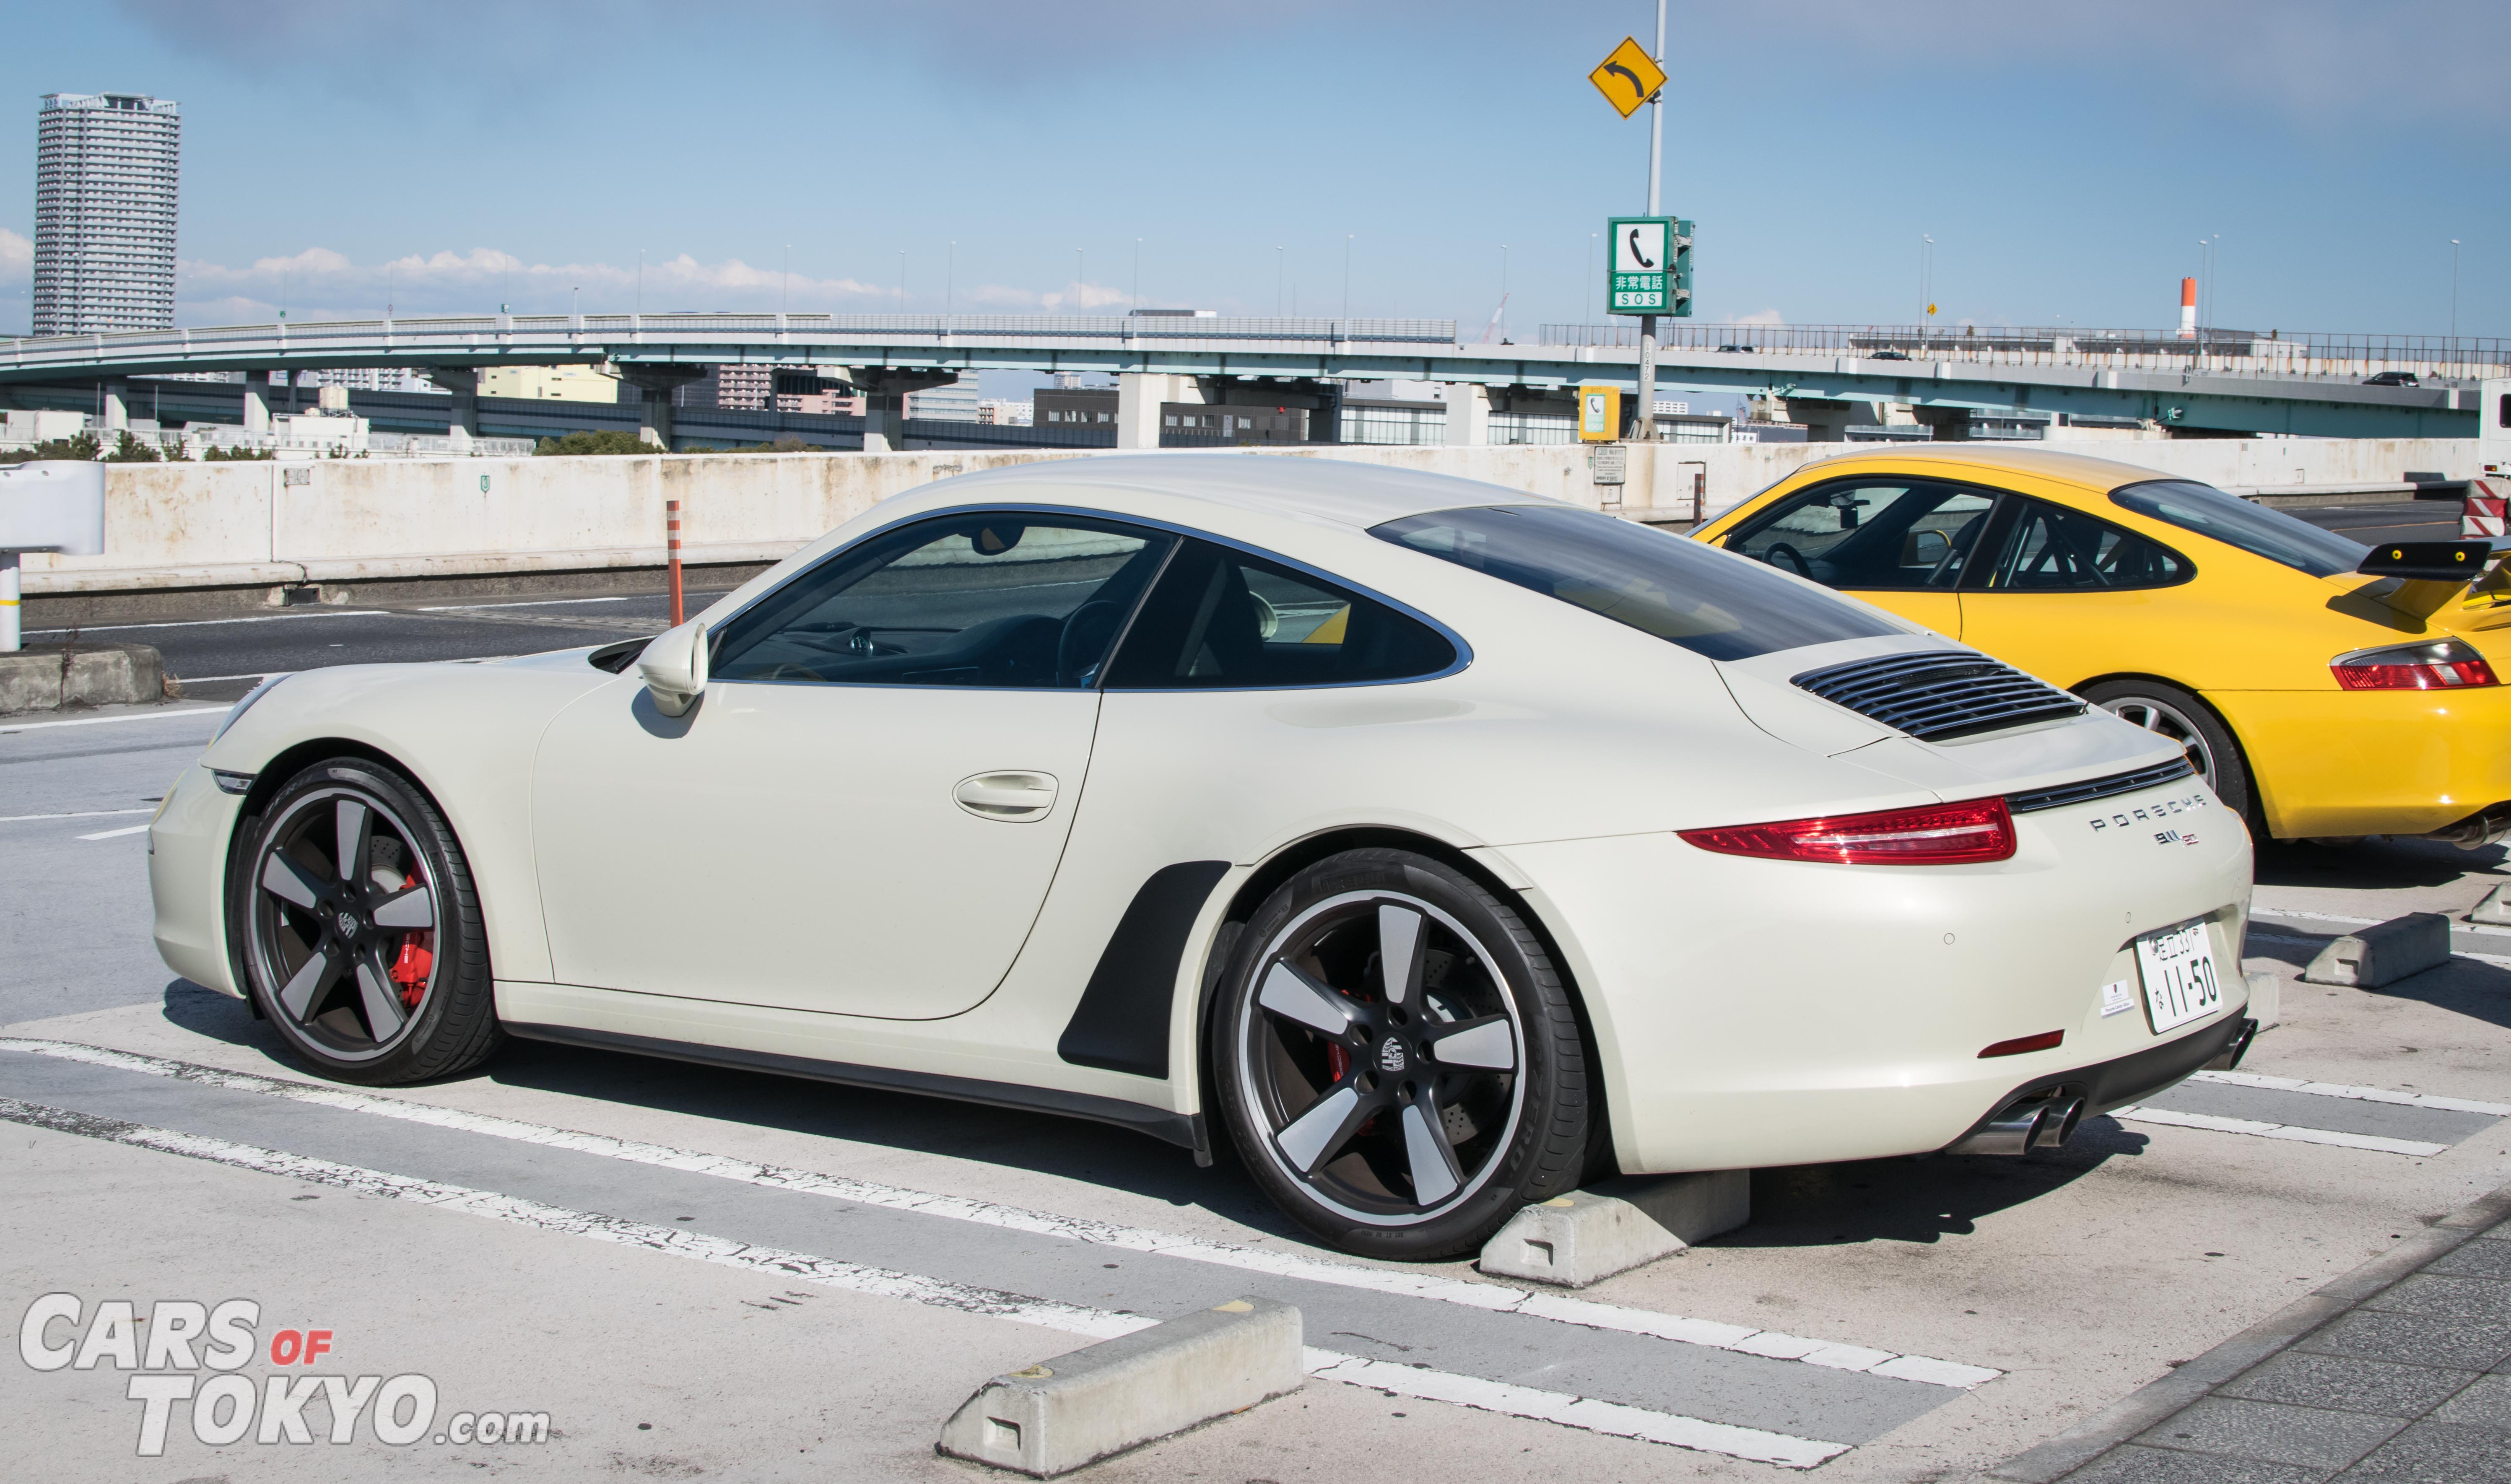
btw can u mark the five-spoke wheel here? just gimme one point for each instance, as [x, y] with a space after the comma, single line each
[2167, 710]
[357, 930]
[1399, 1062]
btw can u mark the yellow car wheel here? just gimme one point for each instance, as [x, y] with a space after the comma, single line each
[2167, 710]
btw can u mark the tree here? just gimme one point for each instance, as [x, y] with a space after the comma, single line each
[130, 451]
[80, 446]
[580, 443]
[213, 454]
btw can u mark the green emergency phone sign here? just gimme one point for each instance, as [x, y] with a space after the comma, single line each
[1648, 269]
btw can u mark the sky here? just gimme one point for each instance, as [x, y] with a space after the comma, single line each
[1375, 157]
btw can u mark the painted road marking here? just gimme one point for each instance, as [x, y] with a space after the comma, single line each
[1583, 1413]
[2323, 939]
[75, 814]
[116, 834]
[2361, 1094]
[2299, 1135]
[99, 721]
[257, 618]
[2370, 922]
[1560, 1309]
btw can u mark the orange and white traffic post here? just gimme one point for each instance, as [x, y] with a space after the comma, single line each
[2481, 517]
[672, 557]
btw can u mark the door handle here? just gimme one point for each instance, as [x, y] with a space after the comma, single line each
[1012, 797]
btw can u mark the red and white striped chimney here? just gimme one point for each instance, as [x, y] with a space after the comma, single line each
[2187, 308]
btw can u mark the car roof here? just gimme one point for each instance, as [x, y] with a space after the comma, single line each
[2103, 474]
[1324, 488]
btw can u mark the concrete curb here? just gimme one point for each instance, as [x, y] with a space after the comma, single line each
[46, 677]
[2383, 954]
[2149, 1404]
[1588, 1236]
[1078, 1408]
[2496, 908]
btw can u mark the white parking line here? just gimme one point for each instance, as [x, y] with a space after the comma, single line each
[258, 674]
[255, 618]
[115, 834]
[2299, 1135]
[100, 721]
[538, 602]
[1583, 1413]
[75, 814]
[1743, 1339]
[2370, 922]
[2498, 960]
[2360, 1094]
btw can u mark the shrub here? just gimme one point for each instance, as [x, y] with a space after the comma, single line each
[216, 455]
[130, 451]
[607, 441]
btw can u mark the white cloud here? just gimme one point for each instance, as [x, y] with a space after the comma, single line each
[16, 255]
[1760, 317]
[319, 283]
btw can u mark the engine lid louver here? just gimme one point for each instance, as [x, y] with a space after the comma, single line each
[1939, 694]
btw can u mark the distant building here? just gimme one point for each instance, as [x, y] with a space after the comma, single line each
[806, 391]
[958, 403]
[734, 387]
[1003, 414]
[105, 177]
[376, 378]
[556, 383]
[1061, 405]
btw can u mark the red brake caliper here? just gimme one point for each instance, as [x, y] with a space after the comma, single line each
[418, 956]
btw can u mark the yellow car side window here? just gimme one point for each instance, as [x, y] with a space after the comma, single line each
[2055, 548]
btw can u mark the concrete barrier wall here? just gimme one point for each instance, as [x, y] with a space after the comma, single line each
[198, 525]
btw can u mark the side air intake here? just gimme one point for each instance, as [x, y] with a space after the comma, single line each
[1940, 694]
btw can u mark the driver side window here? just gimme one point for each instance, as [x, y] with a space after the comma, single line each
[1870, 535]
[998, 600]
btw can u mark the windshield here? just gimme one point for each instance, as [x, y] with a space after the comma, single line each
[2235, 521]
[1708, 601]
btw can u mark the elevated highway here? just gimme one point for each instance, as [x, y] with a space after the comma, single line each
[1170, 360]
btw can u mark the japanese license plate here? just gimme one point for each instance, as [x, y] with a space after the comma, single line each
[2181, 984]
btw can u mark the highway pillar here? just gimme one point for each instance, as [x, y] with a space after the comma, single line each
[884, 422]
[1469, 408]
[256, 404]
[115, 396]
[1140, 396]
[463, 382]
[654, 386]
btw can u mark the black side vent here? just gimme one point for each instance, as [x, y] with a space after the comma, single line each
[1940, 694]
[2097, 788]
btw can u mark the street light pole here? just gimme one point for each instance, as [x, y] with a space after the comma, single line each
[1647, 432]
[2454, 296]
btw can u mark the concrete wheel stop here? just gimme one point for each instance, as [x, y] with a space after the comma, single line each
[2266, 999]
[2383, 954]
[1075, 1409]
[1590, 1234]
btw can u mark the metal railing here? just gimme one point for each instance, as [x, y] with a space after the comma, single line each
[2305, 353]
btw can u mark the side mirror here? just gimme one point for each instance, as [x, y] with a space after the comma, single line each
[674, 667]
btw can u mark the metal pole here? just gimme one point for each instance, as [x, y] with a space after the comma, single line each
[9, 630]
[671, 557]
[1647, 322]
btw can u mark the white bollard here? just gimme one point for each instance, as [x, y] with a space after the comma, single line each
[10, 632]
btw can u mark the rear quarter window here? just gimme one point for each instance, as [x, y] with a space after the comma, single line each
[1708, 601]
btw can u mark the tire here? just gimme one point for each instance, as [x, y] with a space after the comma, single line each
[1319, 1069]
[368, 980]
[2169, 711]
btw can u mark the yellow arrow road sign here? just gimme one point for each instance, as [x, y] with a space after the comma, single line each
[1629, 77]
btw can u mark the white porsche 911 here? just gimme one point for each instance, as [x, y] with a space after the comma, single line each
[1442, 844]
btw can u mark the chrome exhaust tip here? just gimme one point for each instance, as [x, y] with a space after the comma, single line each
[2057, 1126]
[2012, 1131]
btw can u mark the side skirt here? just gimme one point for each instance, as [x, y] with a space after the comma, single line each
[1183, 1129]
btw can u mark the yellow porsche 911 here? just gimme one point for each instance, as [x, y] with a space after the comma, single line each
[2324, 689]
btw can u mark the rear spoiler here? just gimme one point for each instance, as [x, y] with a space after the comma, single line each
[2449, 561]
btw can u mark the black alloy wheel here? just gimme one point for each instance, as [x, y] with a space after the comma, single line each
[1397, 1061]
[359, 929]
